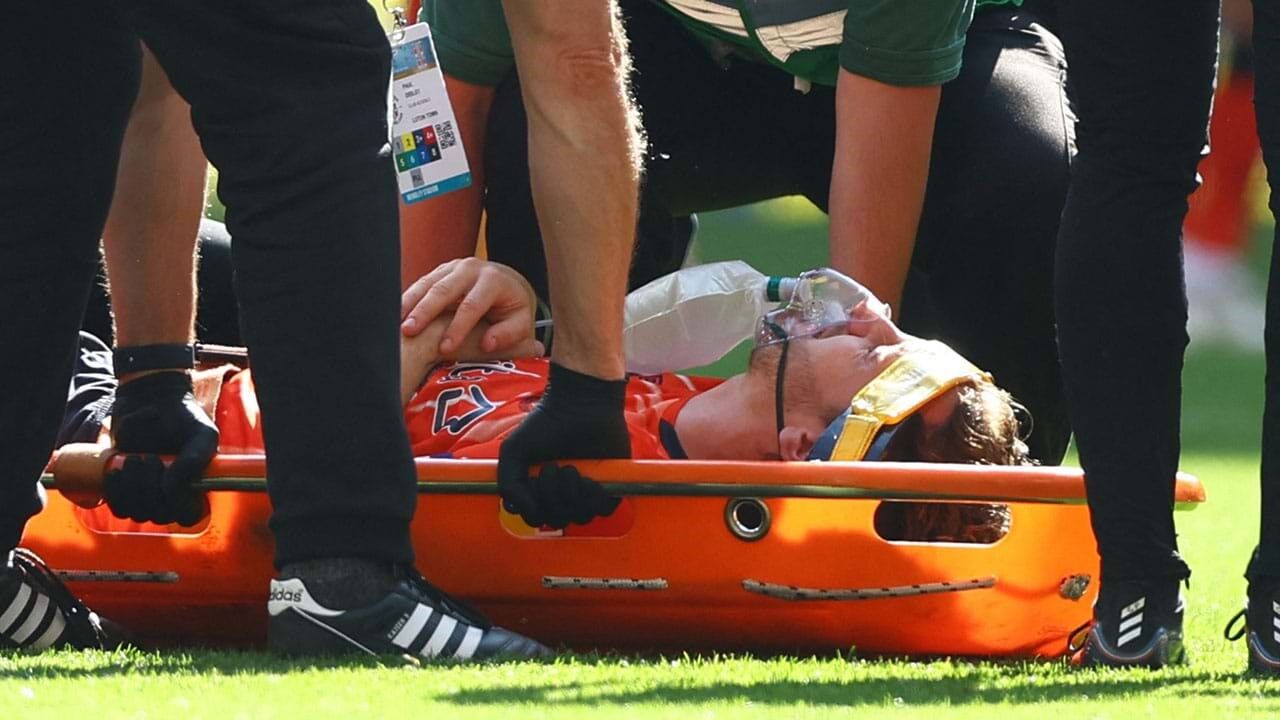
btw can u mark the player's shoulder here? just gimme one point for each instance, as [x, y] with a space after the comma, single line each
[673, 382]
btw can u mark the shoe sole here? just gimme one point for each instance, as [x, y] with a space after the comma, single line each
[1163, 650]
[295, 634]
[1260, 663]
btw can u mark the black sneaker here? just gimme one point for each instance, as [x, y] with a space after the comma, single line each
[38, 612]
[1136, 624]
[414, 619]
[1261, 615]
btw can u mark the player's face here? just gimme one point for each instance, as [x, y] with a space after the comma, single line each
[844, 364]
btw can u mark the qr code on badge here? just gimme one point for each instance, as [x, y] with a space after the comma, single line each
[415, 176]
[445, 136]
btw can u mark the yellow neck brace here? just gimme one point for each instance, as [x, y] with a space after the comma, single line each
[922, 374]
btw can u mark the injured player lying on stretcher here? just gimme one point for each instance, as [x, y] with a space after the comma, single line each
[868, 392]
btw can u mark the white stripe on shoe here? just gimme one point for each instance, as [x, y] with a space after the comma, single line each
[440, 637]
[15, 608]
[1130, 622]
[1133, 620]
[412, 627]
[469, 643]
[52, 633]
[38, 615]
[1129, 637]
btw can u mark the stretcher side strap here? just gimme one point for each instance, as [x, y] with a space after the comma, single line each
[790, 592]
[908, 384]
[556, 582]
[118, 576]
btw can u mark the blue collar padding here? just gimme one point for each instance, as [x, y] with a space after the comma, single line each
[826, 442]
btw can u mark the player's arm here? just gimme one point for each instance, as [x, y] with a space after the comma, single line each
[487, 287]
[446, 227]
[150, 233]
[884, 134]
[420, 353]
[894, 59]
[150, 248]
[584, 160]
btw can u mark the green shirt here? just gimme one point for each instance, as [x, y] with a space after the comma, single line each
[900, 42]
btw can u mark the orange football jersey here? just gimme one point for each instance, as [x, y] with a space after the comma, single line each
[466, 409]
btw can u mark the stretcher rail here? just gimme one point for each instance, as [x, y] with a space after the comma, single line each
[669, 478]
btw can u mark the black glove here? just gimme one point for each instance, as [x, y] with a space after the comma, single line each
[159, 414]
[579, 417]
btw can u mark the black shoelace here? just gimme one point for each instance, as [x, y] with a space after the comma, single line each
[1233, 635]
[445, 602]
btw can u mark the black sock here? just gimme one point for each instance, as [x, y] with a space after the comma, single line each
[343, 583]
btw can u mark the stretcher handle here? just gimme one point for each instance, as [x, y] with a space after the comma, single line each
[222, 353]
[77, 472]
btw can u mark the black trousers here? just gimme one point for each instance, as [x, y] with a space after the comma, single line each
[289, 100]
[1266, 42]
[1141, 81]
[732, 133]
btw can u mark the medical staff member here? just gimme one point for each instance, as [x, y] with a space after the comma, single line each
[743, 102]
[1143, 75]
[290, 105]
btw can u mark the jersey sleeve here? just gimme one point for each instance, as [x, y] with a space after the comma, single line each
[908, 43]
[471, 38]
[91, 395]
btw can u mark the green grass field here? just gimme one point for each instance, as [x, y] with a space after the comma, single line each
[1221, 421]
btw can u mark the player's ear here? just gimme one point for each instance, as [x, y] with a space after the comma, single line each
[795, 443]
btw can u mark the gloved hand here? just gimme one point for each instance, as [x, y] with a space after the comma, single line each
[158, 414]
[579, 417]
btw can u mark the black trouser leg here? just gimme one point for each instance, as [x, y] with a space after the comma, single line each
[63, 110]
[998, 178]
[289, 100]
[1142, 82]
[1266, 44]
[217, 312]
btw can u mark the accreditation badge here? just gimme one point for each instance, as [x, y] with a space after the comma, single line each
[424, 136]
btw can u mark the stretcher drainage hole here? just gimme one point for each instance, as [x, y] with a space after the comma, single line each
[748, 518]
[942, 522]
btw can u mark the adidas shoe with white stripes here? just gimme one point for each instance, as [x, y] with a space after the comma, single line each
[1261, 615]
[1136, 624]
[38, 612]
[414, 619]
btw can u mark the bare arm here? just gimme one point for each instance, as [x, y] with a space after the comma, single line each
[150, 234]
[476, 284]
[444, 228]
[418, 354]
[584, 159]
[884, 134]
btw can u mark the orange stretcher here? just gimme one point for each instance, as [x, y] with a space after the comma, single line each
[726, 556]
